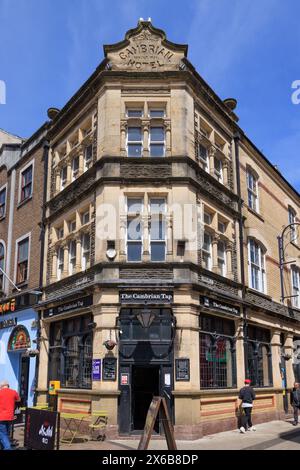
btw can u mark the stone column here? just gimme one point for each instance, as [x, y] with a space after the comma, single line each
[215, 267]
[78, 266]
[81, 160]
[42, 384]
[169, 230]
[57, 181]
[289, 349]
[69, 171]
[146, 130]
[276, 358]
[123, 227]
[240, 353]
[225, 172]
[211, 154]
[229, 269]
[168, 138]
[146, 224]
[123, 138]
[54, 266]
[66, 260]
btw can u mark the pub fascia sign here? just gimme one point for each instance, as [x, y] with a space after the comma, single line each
[150, 297]
[216, 305]
[70, 306]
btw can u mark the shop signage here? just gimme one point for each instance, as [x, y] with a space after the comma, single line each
[149, 297]
[40, 429]
[69, 307]
[96, 374]
[220, 306]
[19, 339]
[8, 323]
[182, 367]
[8, 307]
[110, 369]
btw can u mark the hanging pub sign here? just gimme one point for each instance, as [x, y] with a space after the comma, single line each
[153, 297]
[19, 339]
[41, 429]
[182, 366]
[109, 371]
[71, 306]
[219, 306]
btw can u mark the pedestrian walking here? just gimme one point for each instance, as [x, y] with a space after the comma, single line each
[295, 401]
[247, 395]
[8, 399]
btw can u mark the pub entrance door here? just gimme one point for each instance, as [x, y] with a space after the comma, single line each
[145, 386]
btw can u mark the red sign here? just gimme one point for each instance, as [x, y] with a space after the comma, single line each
[8, 307]
[124, 379]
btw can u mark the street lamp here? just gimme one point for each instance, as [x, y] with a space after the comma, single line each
[146, 316]
[282, 262]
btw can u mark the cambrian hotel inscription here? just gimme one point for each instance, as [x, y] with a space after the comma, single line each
[146, 52]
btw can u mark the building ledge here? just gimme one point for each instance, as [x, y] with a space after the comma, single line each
[82, 391]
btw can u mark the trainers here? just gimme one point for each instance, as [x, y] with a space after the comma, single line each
[242, 430]
[294, 423]
[252, 429]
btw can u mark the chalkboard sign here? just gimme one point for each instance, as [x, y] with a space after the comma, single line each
[109, 372]
[182, 366]
[41, 428]
[158, 404]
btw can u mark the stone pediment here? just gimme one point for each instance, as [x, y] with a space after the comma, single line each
[145, 49]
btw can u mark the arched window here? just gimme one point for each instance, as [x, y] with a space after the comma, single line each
[2, 260]
[217, 353]
[256, 262]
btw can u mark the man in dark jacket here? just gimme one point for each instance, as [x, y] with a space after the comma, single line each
[295, 401]
[247, 395]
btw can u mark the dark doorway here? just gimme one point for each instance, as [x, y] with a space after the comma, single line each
[145, 385]
[24, 376]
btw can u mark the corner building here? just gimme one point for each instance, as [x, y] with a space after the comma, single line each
[143, 221]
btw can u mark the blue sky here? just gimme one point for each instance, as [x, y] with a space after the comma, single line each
[248, 49]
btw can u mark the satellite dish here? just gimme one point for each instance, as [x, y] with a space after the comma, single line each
[111, 253]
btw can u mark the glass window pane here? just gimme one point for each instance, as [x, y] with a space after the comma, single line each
[134, 205]
[158, 251]
[134, 150]
[157, 112]
[134, 134]
[157, 134]
[157, 150]
[157, 231]
[134, 231]
[134, 251]
[134, 112]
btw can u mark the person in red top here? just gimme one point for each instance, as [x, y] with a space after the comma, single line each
[8, 399]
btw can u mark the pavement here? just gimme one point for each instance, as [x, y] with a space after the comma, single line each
[274, 435]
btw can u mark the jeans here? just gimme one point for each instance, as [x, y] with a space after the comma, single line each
[246, 417]
[296, 410]
[4, 435]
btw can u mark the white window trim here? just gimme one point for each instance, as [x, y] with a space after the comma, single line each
[224, 273]
[262, 272]
[205, 163]
[218, 175]
[59, 276]
[157, 109]
[295, 301]
[69, 267]
[75, 173]
[158, 142]
[61, 180]
[20, 181]
[28, 235]
[209, 268]
[135, 109]
[142, 230]
[135, 142]
[2, 242]
[87, 163]
[4, 187]
[83, 252]
[249, 171]
[150, 241]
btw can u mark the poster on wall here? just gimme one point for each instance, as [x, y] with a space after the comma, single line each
[96, 375]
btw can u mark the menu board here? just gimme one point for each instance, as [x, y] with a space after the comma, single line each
[182, 366]
[109, 371]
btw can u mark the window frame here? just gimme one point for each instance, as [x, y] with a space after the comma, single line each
[87, 162]
[164, 227]
[60, 263]
[206, 252]
[134, 142]
[17, 243]
[132, 216]
[85, 252]
[295, 273]
[260, 268]
[3, 189]
[21, 188]
[63, 181]
[2, 260]
[72, 258]
[157, 142]
[205, 164]
[252, 191]
[223, 269]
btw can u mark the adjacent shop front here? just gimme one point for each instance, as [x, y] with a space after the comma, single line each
[18, 341]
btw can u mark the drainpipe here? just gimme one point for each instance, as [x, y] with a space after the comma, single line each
[42, 237]
[236, 139]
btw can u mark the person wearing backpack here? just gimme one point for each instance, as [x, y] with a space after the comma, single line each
[247, 395]
[295, 401]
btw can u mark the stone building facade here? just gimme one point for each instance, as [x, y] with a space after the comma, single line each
[148, 219]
